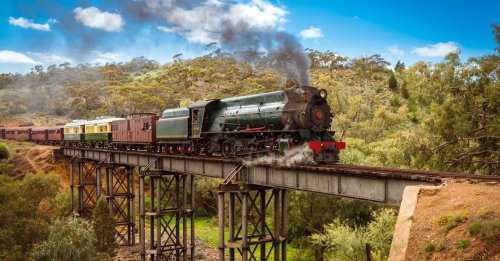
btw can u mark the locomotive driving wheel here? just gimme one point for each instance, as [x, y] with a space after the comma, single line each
[252, 149]
[227, 148]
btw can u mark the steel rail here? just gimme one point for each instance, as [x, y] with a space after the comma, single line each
[345, 168]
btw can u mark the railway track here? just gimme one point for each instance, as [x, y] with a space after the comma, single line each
[434, 176]
[363, 170]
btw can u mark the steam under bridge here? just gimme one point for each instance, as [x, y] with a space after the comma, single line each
[246, 195]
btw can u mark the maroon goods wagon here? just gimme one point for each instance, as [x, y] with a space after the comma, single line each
[39, 134]
[55, 133]
[2, 132]
[18, 133]
[135, 131]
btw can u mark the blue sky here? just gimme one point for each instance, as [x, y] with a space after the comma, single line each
[36, 32]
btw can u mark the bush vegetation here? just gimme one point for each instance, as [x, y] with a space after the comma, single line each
[450, 221]
[104, 228]
[345, 242]
[25, 213]
[70, 239]
[4, 153]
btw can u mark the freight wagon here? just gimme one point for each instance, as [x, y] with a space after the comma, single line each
[137, 131]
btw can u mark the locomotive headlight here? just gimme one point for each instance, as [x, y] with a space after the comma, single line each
[323, 94]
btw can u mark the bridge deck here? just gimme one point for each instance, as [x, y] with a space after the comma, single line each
[374, 184]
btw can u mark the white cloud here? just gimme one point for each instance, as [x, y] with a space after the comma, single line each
[436, 50]
[168, 29]
[312, 33]
[95, 18]
[7, 56]
[50, 58]
[27, 23]
[209, 21]
[394, 50]
[105, 57]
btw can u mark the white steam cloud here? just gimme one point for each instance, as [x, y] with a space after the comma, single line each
[297, 155]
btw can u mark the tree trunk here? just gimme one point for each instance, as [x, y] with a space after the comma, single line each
[318, 253]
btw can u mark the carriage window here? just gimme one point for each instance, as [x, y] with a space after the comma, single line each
[146, 126]
[195, 116]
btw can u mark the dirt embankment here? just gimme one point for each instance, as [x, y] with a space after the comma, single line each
[32, 158]
[459, 222]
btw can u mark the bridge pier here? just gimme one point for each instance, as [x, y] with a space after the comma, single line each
[87, 186]
[120, 194]
[171, 210]
[250, 235]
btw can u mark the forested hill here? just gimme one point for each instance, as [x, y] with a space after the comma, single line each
[442, 116]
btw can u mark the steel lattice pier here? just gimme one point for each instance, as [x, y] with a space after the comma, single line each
[169, 214]
[250, 236]
[119, 192]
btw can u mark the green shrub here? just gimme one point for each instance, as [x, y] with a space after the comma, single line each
[450, 221]
[343, 242]
[491, 231]
[4, 153]
[463, 243]
[475, 227]
[428, 249]
[392, 83]
[62, 203]
[395, 102]
[104, 228]
[70, 239]
[487, 215]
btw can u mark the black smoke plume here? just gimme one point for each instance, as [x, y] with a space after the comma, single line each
[264, 46]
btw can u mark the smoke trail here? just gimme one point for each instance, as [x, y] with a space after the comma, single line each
[297, 155]
[251, 30]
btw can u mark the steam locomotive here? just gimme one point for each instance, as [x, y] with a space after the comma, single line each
[257, 124]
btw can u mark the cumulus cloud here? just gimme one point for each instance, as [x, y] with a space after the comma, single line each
[7, 56]
[95, 18]
[437, 50]
[28, 23]
[50, 58]
[206, 23]
[105, 57]
[312, 33]
[394, 50]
